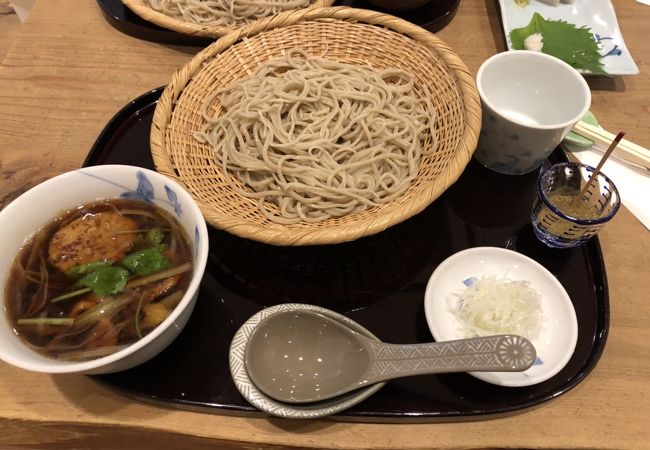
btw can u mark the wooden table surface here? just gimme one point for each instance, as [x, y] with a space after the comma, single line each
[68, 71]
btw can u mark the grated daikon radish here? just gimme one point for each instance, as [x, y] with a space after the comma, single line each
[492, 305]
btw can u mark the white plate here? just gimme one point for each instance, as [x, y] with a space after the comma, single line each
[557, 339]
[295, 411]
[599, 15]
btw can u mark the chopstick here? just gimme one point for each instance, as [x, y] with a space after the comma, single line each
[610, 149]
[626, 150]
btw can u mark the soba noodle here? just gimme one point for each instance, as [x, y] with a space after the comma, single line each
[312, 138]
[223, 12]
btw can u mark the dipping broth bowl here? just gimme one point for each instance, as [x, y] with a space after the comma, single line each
[530, 102]
[39, 206]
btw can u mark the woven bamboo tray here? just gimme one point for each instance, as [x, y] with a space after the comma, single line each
[142, 9]
[351, 36]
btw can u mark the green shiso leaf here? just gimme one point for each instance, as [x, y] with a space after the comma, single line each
[575, 46]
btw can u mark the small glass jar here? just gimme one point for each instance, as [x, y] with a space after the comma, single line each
[561, 216]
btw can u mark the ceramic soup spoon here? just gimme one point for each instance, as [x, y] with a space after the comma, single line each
[304, 356]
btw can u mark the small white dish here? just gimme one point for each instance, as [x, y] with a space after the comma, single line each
[271, 406]
[599, 15]
[557, 339]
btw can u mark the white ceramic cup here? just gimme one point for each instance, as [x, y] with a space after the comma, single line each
[530, 102]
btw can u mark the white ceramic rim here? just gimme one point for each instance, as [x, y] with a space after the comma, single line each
[570, 71]
[276, 408]
[503, 378]
[199, 267]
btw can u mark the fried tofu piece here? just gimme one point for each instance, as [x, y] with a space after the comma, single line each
[160, 288]
[154, 315]
[83, 305]
[103, 334]
[93, 237]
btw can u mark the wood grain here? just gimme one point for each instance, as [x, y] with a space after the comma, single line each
[64, 435]
[65, 75]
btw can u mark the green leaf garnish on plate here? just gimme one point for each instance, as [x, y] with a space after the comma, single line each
[576, 46]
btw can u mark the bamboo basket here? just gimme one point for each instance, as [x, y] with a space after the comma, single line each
[142, 9]
[351, 36]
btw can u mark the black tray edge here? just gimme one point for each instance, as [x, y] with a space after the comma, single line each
[109, 131]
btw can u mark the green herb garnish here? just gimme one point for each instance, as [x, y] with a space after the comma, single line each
[145, 262]
[83, 269]
[155, 236]
[105, 280]
[69, 295]
[46, 321]
[103, 309]
[575, 46]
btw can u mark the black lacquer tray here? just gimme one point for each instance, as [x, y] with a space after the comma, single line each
[379, 281]
[433, 16]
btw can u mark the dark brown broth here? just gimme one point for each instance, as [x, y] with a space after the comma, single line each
[20, 290]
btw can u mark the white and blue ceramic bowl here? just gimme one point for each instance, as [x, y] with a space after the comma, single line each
[41, 204]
